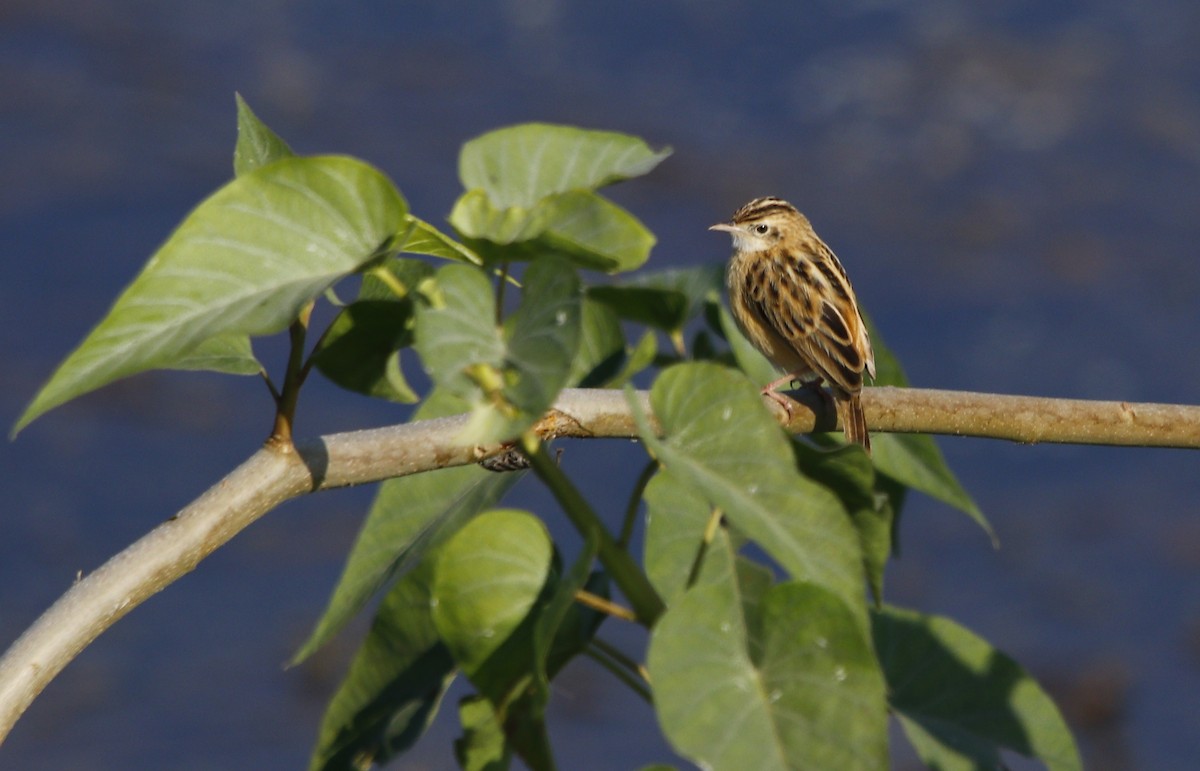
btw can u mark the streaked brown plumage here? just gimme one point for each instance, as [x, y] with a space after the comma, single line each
[792, 300]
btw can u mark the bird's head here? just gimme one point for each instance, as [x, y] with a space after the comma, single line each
[762, 223]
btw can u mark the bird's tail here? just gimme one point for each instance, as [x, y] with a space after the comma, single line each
[854, 423]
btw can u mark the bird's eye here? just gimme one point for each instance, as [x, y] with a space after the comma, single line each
[761, 228]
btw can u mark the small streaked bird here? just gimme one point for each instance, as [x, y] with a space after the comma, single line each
[792, 300]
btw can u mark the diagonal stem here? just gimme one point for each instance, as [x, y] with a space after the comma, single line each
[647, 605]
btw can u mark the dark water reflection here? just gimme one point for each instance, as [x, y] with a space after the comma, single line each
[1014, 191]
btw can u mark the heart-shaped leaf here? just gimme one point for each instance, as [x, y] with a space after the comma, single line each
[519, 165]
[243, 262]
[486, 582]
[718, 437]
[961, 701]
[580, 225]
[791, 684]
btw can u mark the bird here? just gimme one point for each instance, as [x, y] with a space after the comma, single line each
[792, 300]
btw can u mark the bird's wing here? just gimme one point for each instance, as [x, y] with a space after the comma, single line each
[797, 305]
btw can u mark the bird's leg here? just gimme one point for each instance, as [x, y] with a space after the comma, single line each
[779, 399]
[783, 401]
[813, 386]
[788, 378]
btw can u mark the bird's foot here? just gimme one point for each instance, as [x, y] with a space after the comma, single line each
[780, 399]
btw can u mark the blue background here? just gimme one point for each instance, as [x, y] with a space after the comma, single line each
[1014, 191]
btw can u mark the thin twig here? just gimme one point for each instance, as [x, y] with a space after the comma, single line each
[635, 503]
[275, 397]
[311, 361]
[604, 605]
[293, 379]
[616, 663]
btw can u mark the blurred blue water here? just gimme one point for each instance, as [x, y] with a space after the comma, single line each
[1012, 189]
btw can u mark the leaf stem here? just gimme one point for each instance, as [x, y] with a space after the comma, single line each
[603, 605]
[647, 605]
[621, 666]
[275, 396]
[285, 406]
[635, 502]
[312, 356]
[677, 342]
[388, 279]
[501, 281]
[710, 532]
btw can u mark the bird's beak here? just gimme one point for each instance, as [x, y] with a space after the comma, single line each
[724, 226]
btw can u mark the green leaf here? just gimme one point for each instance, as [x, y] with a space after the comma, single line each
[601, 346]
[457, 330]
[257, 145]
[665, 299]
[756, 366]
[475, 215]
[961, 701]
[410, 516]
[394, 686]
[519, 165]
[798, 687]
[482, 746]
[664, 309]
[594, 232]
[638, 359]
[555, 638]
[230, 354]
[424, 238]
[704, 348]
[701, 287]
[532, 187]
[684, 551]
[245, 261]
[849, 474]
[360, 351]
[518, 676]
[487, 579]
[579, 225]
[543, 338]
[915, 460]
[510, 376]
[676, 518]
[515, 674]
[509, 621]
[395, 279]
[720, 439]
